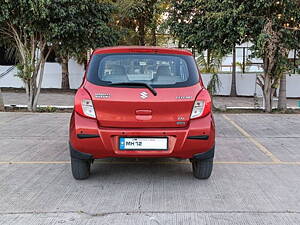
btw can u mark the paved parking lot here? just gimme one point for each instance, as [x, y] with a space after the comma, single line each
[255, 178]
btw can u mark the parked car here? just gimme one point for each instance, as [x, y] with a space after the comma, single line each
[142, 102]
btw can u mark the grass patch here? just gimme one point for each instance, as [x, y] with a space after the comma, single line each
[48, 109]
[39, 110]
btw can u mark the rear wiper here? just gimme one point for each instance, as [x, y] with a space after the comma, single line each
[136, 84]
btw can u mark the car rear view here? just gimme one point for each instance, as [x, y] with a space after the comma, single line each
[142, 102]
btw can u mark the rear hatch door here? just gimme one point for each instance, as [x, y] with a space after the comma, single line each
[137, 107]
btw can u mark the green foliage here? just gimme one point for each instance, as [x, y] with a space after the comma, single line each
[272, 26]
[72, 26]
[48, 109]
[211, 63]
[25, 70]
[206, 24]
[215, 24]
[244, 66]
[139, 20]
[214, 84]
[78, 25]
[132, 18]
[69, 26]
[31, 15]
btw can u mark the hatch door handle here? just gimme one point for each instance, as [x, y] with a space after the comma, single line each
[143, 112]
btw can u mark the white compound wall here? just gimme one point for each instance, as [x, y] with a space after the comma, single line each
[245, 82]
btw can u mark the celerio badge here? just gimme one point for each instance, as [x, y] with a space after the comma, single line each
[144, 95]
[102, 95]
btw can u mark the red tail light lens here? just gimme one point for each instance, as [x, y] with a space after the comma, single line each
[84, 104]
[202, 105]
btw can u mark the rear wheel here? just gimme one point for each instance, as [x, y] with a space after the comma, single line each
[202, 168]
[80, 168]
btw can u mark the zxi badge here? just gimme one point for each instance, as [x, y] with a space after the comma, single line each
[144, 95]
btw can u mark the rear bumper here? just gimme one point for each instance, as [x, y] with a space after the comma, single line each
[97, 142]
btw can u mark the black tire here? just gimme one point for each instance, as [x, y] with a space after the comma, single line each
[202, 168]
[80, 168]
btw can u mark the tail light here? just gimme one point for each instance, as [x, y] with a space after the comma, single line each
[202, 105]
[84, 104]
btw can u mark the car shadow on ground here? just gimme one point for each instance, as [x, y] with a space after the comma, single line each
[140, 168]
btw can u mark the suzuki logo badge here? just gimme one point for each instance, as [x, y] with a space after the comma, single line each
[144, 95]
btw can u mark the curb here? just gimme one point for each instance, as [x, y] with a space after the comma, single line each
[40, 106]
[252, 107]
[71, 107]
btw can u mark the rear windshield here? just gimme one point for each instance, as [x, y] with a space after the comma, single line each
[154, 69]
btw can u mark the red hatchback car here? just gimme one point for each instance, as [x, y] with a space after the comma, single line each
[142, 102]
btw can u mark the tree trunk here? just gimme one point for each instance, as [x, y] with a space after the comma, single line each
[268, 92]
[209, 65]
[179, 43]
[233, 80]
[39, 85]
[1, 101]
[282, 101]
[29, 93]
[142, 32]
[153, 25]
[33, 85]
[153, 36]
[31, 88]
[65, 73]
[271, 49]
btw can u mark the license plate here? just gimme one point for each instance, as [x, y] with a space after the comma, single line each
[143, 143]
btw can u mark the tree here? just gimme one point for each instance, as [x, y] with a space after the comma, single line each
[273, 45]
[25, 25]
[79, 25]
[139, 20]
[158, 25]
[202, 25]
[272, 26]
[33, 26]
